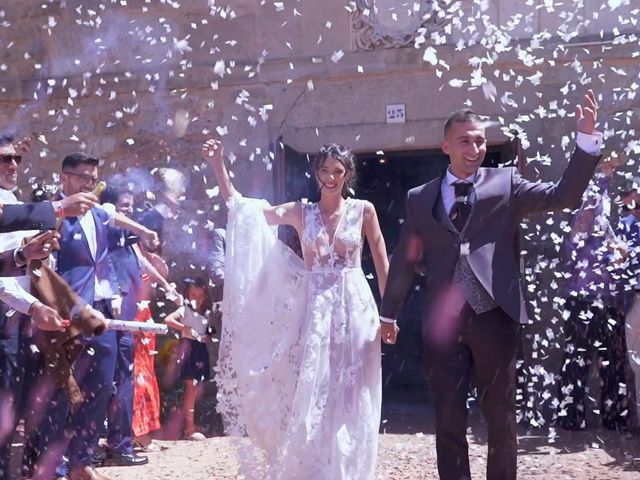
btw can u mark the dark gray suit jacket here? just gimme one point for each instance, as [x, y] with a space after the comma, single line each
[24, 216]
[491, 233]
[27, 216]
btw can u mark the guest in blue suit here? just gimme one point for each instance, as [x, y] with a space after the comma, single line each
[129, 264]
[83, 262]
[129, 279]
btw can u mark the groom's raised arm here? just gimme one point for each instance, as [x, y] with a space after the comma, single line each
[406, 256]
[567, 193]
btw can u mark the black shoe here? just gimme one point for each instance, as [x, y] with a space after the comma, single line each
[97, 459]
[124, 460]
[572, 425]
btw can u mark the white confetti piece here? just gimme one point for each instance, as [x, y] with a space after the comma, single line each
[430, 56]
[337, 56]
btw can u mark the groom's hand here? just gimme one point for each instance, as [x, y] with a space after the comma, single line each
[389, 332]
[587, 114]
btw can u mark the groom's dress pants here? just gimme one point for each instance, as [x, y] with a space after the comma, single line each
[484, 349]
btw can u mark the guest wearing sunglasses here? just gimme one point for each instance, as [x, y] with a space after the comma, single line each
[31, 216]
[16, 307]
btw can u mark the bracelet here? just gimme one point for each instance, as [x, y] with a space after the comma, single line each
[58, 209]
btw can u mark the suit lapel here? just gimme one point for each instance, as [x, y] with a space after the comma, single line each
[432, 201]
[75, 228]
[442, 216]
[100, 237]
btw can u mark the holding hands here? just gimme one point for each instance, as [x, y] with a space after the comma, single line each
[389, 332]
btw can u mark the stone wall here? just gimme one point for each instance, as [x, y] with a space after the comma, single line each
[141, 83]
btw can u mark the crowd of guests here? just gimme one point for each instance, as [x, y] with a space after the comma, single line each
[107, 253]
[602, 307]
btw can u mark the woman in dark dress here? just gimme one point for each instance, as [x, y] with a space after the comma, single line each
[192, 321]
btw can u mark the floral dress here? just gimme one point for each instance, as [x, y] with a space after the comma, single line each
[299, 369]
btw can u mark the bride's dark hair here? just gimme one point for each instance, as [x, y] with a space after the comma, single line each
[345, 157]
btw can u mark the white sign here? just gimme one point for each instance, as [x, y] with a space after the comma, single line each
[396, 113]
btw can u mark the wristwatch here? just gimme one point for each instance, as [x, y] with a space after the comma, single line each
[18, 256]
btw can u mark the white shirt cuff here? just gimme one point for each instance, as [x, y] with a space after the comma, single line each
[590, 143]
[387, 320]
[110, 208]
[15, 296]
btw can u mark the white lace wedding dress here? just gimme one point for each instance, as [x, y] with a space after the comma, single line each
[299, 370]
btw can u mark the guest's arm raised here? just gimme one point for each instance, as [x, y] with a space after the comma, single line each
[285, 214]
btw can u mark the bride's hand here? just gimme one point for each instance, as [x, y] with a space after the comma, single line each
[212, 151]
[389, 332]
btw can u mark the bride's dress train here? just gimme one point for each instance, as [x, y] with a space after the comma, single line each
[299, 369]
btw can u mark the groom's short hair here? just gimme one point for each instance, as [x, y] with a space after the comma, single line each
[462, 115]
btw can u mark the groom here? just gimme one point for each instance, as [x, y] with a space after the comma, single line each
[463, 228]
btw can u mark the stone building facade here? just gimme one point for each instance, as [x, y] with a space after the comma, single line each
[142, 83]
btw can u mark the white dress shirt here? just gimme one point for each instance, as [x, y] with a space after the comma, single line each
[103, 289]
[448, 190]
[14, 291]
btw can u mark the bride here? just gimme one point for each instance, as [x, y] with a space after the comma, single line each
[299, 370]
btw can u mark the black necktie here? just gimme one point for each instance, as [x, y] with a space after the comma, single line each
[461, 207]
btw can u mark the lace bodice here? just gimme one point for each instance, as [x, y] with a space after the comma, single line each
[344, 250]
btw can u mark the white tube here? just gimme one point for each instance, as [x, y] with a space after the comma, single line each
[133, 326]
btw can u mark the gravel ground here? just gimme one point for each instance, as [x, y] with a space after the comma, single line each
[406, 456]
[407, 452]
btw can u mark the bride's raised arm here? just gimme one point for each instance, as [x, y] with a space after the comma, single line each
[285, 214]
[213, 152]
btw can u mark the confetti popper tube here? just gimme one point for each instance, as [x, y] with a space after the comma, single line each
[99, 188]
[133, 326]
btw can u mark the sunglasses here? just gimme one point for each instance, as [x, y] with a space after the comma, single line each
[84, 177]
[8, 158]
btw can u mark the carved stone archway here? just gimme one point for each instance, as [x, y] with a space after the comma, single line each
[393, 23]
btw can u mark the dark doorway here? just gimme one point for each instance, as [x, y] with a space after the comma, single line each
[384, 180]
